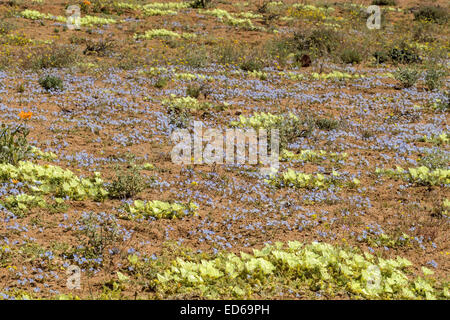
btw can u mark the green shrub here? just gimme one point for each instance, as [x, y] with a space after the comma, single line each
[436, 159]
[381, 56]
[20, 88]
[434, 14]
[161, 82]
[327, 124]
[196, 57]
[102, 6]
[127, 184]
[53, 57]
[193, 90]
[433, 78]
[5, 27]
[100, 48]
[128, 61]
[351, 56]
[407, 76]
[179, 117]
[251, 64]
[424, 32]
[101, 231]
[403, 53]
[281, 49]
[228, 53]
[196, 4]
[293, 128]
[51, 83]
[318, 41]
[14, 146]
[384, 2]
[74, 39]
[441, 104]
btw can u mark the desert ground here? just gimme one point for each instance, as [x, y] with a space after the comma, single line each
[93, 205]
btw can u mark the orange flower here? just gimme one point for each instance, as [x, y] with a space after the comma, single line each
[25, 115]
[14, 181]
[86, 3]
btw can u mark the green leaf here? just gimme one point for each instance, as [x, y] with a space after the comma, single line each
[133, 259]
[122, 277]
[427, 272]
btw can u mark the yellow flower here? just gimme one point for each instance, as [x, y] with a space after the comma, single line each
[25, 115]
